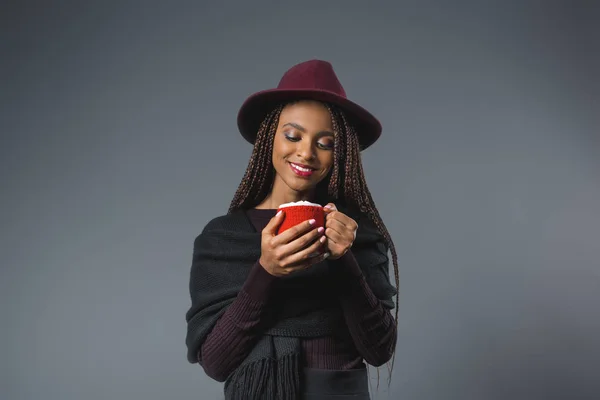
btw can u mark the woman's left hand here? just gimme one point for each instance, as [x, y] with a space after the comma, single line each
[340, 231]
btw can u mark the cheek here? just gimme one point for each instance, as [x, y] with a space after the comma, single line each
[327, 162]
[281, 148]
[277, 151]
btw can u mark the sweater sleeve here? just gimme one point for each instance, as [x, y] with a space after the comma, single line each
[234, 334]
[371, 325]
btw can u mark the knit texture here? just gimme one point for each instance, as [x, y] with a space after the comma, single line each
[294, 215]
[224, 253]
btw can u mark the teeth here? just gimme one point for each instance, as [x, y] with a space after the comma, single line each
[302, 169]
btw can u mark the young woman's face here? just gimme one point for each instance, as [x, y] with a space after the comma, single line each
[303, 146]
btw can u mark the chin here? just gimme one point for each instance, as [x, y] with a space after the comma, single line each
[302, 187]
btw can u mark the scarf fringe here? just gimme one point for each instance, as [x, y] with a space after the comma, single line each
[266, 379]
[288, 377]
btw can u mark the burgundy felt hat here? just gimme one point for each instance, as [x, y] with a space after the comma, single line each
[312, 80]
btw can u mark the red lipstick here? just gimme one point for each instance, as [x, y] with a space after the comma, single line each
[302, 171]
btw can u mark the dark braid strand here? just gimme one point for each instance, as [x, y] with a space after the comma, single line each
[258, 179]
[356, 192]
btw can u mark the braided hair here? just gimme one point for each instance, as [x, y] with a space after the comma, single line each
[346, 182]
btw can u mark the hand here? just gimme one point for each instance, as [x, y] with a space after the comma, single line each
[340, 231]
[293, 250]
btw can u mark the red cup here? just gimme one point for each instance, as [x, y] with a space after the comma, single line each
[298, 212]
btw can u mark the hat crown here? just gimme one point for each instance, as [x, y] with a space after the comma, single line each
[312, 74]
[309, 80]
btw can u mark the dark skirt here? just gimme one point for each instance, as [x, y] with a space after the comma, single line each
[321, 384]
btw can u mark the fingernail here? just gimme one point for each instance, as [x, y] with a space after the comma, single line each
[279, 213]
[321, 229]
[312, 221]
[327, 207]
[323, 239]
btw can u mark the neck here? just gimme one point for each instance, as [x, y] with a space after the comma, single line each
[281, 193]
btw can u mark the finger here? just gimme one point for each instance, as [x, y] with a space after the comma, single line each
[330, 207]
[337, 226]
[303, 256]
[342, 218]
[334, 236]
[311, 254]
[274, 223]
[314, 260]
[294, 232]
[302, 242]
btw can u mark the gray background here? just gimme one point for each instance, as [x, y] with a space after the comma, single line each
[119, 143]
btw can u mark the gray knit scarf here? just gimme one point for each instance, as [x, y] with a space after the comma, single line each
[223, 255]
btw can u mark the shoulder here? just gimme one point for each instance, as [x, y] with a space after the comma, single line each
[217, 222]
[231, 220]
[222, 223]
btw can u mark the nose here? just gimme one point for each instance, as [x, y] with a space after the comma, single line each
[305, 150]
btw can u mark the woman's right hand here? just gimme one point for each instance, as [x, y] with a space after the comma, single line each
[295, 249]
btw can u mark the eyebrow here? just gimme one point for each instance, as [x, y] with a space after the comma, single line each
[301, 128]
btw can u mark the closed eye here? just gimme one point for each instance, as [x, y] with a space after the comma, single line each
[323, 146]
[291, 138]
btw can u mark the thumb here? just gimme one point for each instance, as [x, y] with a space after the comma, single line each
[329, 208]
[274, 223]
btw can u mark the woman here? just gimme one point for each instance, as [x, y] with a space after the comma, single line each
[296, 315]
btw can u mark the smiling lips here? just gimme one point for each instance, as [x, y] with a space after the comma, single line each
[302, 171]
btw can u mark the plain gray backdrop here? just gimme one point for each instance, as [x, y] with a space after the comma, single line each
[119, 143]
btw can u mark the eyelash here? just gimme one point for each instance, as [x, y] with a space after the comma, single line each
[322, 146]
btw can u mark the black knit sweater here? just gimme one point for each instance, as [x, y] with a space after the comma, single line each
[257, 332]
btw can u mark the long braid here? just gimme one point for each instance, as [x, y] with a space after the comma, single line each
[258, 178]
[356, 192]
[347, 166]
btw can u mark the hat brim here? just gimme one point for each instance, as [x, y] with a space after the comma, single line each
[258, 105]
